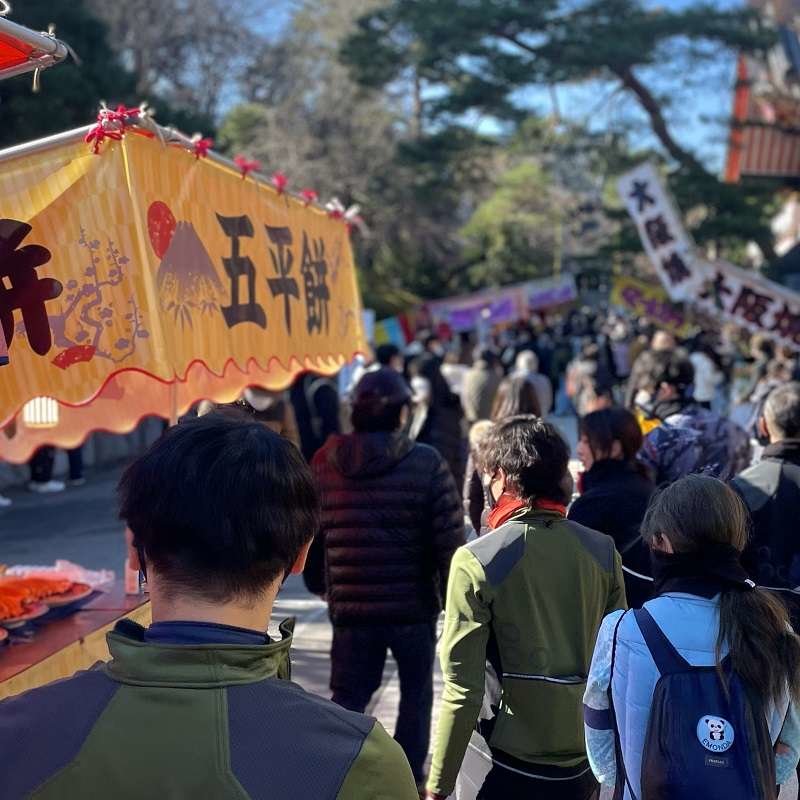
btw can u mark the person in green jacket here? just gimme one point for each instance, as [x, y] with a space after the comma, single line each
[199, 705]
[524, 604]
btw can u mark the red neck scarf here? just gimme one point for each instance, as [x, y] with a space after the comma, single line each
[507, 506]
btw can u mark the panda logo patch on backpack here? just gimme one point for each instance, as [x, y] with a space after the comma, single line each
[715, 734]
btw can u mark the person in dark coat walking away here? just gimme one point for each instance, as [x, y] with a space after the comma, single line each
[441, 427]
[615, 489]
[391, 521]
[315, 400]
[771, 492]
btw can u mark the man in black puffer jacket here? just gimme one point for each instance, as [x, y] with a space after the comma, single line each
[391, 521]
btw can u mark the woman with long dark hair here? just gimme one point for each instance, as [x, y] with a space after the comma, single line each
[706, 613]
[614, 491]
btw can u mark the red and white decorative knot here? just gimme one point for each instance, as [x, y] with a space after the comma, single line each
[350, 215]
[352, 219]
[334, 208]
[279, 181]
[111, 124]
[201, 145]
[246, 165]
[309, 196]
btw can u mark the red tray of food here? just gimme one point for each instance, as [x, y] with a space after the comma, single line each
[78, 591]
[22, 599]
[31, 612]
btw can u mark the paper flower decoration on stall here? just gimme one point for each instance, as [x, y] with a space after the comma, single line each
[279, 181]
[201, 146]
[309, 196]
[111, 124]
[246, 165]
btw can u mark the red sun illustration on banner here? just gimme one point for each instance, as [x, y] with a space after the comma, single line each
[161, 226]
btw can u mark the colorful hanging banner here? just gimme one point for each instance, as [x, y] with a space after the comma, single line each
[649, 300]
[719, 288]
[503, 305]
[144, 259]
[390, 331]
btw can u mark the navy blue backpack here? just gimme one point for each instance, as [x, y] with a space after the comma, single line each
[702, 743]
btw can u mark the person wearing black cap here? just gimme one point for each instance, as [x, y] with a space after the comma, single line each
[391, 521]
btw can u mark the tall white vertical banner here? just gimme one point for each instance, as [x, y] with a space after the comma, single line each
[663, 236]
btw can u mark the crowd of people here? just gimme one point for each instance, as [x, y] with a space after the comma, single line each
[623, 615]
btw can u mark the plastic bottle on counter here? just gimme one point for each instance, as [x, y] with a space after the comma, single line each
[132, 579]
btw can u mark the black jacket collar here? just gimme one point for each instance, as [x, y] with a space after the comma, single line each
[607, 469]
[787, 450]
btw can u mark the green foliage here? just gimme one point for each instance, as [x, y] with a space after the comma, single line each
[307, 116]
[514, 234]
[479, 54]
[241, 127]
[486, 56]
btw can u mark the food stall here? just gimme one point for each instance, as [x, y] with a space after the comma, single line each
[141, 272]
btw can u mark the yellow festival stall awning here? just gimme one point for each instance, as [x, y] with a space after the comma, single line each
[143, 279]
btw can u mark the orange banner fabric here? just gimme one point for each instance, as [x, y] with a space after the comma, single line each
[144, 268]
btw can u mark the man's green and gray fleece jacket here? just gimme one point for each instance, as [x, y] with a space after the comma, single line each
[199, 721]
[530, 597]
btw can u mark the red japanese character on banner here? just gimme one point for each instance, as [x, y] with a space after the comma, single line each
[752, 305]
[676, 268]
[787, 324]
[658, 231]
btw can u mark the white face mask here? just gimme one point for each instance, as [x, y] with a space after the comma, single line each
[643, 398]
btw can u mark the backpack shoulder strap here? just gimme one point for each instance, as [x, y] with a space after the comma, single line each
[668, 659]
[619, 787]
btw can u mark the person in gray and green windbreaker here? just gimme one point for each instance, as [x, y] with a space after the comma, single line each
[200, 705]
[524, 604]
